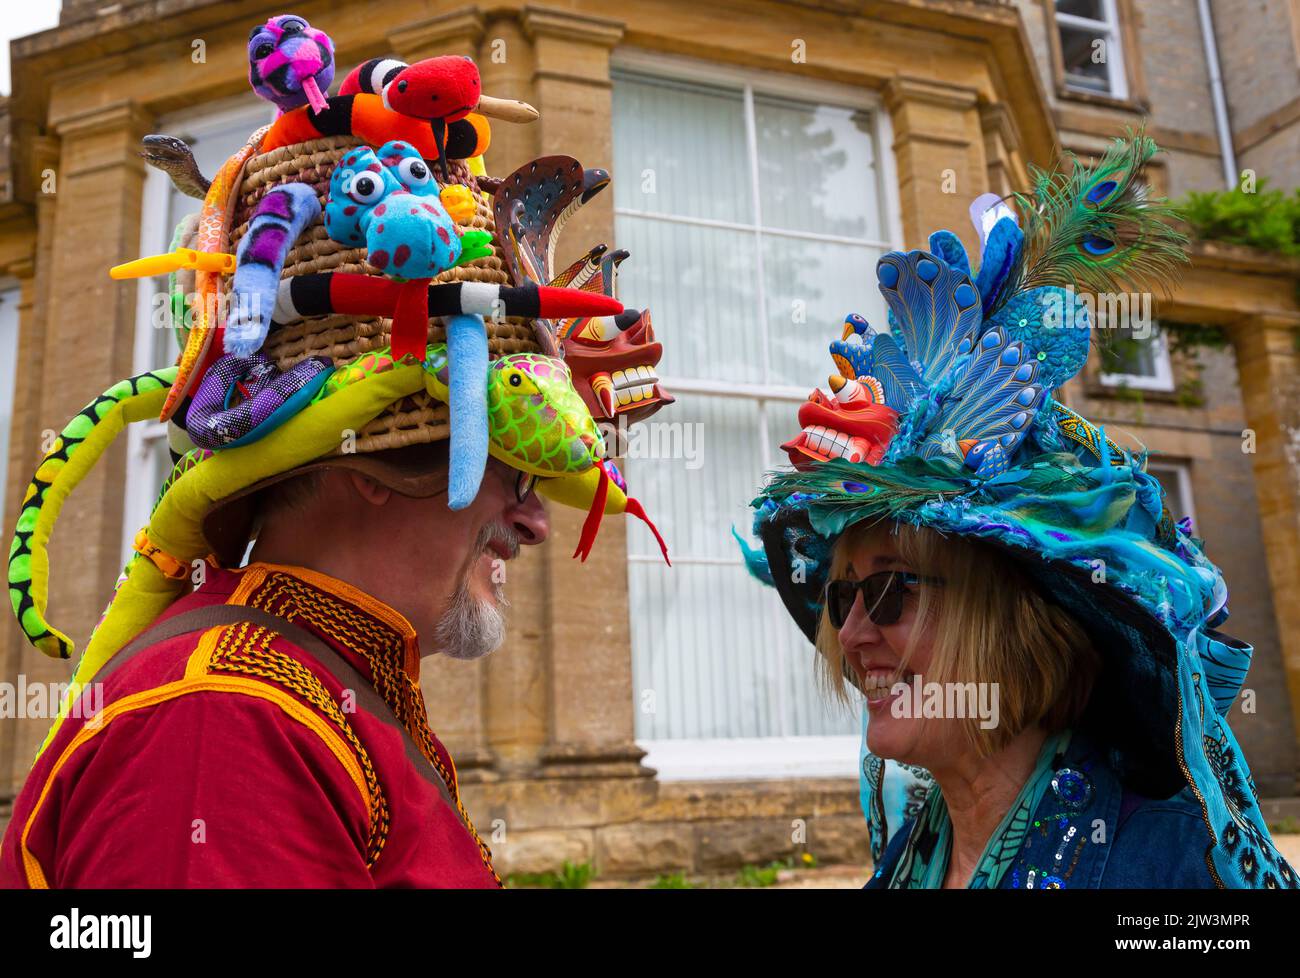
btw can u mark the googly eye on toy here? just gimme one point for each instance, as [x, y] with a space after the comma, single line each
[365, 188]
[413, 173]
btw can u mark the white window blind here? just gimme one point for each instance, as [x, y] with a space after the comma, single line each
[753, 214]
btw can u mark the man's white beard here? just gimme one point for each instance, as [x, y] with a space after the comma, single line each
[470, 628]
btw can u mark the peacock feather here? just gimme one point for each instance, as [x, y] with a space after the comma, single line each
[841, 492]
[883, 490]
[1096, 228]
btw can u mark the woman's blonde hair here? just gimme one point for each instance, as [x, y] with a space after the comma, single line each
[988, 622]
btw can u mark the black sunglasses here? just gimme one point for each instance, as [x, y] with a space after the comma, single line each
[882, 596]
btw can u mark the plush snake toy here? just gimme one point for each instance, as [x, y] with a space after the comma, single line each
[74, 452]
[202, 345]
[175, 158]
[279, 218]
[443, 90]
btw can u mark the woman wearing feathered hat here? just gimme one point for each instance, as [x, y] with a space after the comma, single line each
[1003, 582]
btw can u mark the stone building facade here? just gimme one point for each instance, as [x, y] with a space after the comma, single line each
[545, 732]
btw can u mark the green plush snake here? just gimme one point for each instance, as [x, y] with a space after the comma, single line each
[537, 422]
[72, 455]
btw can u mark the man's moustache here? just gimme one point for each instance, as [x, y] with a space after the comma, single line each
[495, 532]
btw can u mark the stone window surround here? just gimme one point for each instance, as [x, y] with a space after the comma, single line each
[1135, 94]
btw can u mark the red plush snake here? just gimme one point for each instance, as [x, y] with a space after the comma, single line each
[442, 91]
[446, 87]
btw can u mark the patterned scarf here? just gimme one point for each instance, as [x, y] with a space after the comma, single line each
[923, 863]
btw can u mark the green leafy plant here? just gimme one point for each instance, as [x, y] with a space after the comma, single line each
[767, 875]
[572, 876]
[1267, 219]
[759, 876]
[672, 881]
[1190, 337]
[1123, 392]
[1190, 393]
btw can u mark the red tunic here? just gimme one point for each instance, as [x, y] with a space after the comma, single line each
[233, 757]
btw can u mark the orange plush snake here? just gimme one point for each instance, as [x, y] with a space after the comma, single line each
[365, 116]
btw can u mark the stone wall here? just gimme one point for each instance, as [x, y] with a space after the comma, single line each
[639, 829]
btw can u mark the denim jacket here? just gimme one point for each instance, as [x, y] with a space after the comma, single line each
[1090, 832]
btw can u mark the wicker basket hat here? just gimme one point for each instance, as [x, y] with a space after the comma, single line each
[415, 419]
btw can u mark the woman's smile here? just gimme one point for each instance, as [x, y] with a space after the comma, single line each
[878, 685]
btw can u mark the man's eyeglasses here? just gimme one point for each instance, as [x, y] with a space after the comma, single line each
[525, 483]
[882, 596]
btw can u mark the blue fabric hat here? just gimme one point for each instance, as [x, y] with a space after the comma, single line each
[982, 450]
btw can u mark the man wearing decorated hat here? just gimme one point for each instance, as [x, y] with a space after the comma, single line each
[370, 399]
[1004, 584]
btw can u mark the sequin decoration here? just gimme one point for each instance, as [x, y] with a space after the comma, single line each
[1072, 788]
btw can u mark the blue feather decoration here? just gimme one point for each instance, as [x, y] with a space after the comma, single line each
[994, 401]
[1000, 259]
[1053, 322]
[902, 385]
[948, 246]
[935, 307]
[755, 559]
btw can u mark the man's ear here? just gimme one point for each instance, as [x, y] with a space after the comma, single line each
[368, 489]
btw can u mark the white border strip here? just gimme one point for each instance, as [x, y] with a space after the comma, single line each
[753, 758]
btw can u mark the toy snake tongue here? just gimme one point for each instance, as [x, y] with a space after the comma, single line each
[439, 127]
[591, 525]
[314, 97]
[411, 318]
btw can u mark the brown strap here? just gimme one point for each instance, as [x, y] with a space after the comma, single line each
[215, 615]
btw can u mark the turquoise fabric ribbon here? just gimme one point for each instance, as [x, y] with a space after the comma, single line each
[923, 863]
